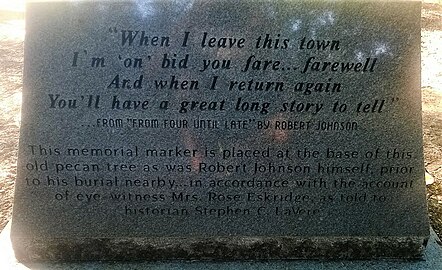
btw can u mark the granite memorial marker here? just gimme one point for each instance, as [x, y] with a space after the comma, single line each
[221, 130]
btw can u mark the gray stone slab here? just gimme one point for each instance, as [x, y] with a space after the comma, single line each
[432, 259]
[221, 130]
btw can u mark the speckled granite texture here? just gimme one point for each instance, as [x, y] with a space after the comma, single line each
[214, 130]
[432, 259]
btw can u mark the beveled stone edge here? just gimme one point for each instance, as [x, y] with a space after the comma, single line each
[218, 248]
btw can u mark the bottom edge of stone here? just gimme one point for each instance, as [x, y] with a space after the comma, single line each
[218, 248]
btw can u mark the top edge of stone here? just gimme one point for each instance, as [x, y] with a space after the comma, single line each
[128, 1]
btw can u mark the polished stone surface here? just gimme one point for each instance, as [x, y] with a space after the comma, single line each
[221, 130]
